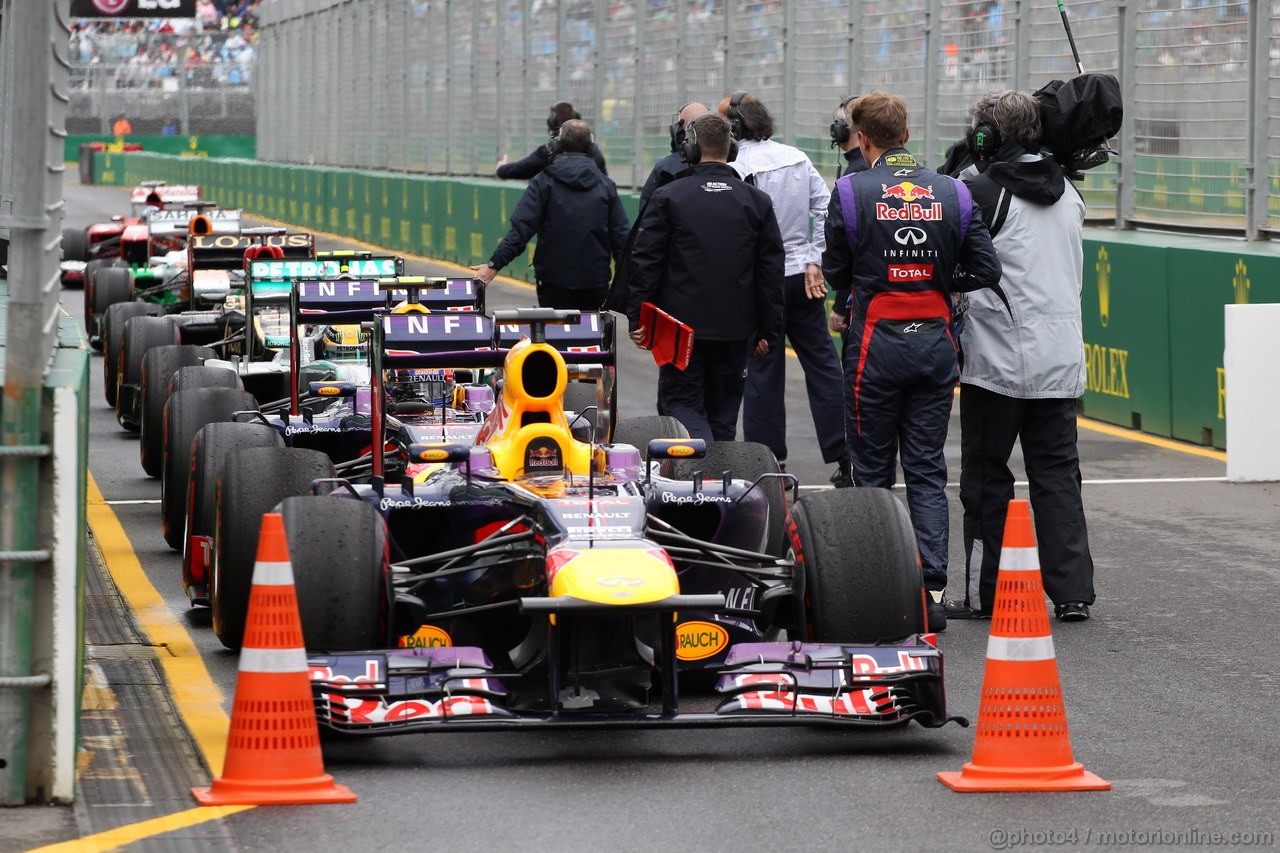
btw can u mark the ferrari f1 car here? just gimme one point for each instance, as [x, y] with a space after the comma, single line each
[536, 578]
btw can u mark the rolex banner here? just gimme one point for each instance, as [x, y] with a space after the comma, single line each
[133, 8]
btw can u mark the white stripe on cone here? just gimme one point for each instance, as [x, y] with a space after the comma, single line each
[1016, 648]
[273, 660]
[272, 574]
[1019, 560]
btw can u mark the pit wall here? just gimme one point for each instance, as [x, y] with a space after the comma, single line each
[1153, 303]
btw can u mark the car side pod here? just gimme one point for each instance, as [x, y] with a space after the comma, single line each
[1021, 741]
[273, 749]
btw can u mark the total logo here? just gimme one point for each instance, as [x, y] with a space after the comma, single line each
[910, 272]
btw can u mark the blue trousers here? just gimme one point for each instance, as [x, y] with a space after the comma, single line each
[764, 411]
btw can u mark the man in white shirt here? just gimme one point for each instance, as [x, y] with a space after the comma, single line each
[800, 198]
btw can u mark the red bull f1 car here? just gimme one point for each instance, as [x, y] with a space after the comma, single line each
[536, 577]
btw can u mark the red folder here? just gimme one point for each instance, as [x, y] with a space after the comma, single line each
[670, 341]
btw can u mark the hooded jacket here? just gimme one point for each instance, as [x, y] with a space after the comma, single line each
[1035, 347]
[574, 211]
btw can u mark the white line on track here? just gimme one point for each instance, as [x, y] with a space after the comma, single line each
[132, 503]
[1132, 482]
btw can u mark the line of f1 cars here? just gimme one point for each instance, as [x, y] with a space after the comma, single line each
[478, 542]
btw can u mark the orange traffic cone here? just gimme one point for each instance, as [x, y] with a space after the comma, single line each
[1021, 742]
[273, 748]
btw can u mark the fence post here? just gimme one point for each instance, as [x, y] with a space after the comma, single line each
[933, 15]
[1127, 169]
[1257, 173]
[637, 99]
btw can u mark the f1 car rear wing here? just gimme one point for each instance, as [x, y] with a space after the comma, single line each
[436, 294]
[226, 251]
[176, 194]
[176, 221]
[472, 340]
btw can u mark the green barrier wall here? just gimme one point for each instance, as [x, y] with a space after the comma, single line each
[1153, 303]
[184, 146]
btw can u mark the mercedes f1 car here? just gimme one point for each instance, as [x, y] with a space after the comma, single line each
[534, 577]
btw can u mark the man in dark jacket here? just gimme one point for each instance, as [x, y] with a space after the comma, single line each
[673, 165]
[899, 236]
[580, 224]
[540, 157]
[1024, 368]
[709, 253]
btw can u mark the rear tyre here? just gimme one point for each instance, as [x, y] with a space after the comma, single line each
[745, 460]
[579, 397]
[638, 432]
[187, 378]
[862, 577]
[252, 482]
[184, 413]
[92, 317]
[111, 285]
[75, 244]
[213, 443]
[141, 334]
[158, 367]
[113, 323]
[338, 549]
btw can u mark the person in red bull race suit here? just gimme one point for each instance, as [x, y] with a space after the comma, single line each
[902, 238]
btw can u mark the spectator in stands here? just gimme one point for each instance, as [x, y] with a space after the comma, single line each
[170, 127]
[538, 159]
[573, 209]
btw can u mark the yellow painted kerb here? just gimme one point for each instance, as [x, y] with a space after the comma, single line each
[114, 839]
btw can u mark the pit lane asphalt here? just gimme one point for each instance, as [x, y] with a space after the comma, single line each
[1170, 689]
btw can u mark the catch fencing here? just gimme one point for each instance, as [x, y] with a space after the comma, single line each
[449, 86]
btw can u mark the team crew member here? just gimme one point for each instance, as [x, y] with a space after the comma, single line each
[800, 199]
[673, 165]
[709, 253]
[667, 170]
[1024, 368]
[897, 234]
[843, 137]
[580, 224]
[540, 157]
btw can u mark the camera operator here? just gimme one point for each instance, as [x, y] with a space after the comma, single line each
[540, 157]
[1023, 368]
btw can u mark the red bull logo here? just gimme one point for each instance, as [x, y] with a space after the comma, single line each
[907, 191]
[909, 212]
[543, 456]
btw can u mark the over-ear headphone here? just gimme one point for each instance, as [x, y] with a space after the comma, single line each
[552, 124]
[984, 138]
[840, 130]
[691, 151]
[735, 113]
[553, 144]
[676, 129]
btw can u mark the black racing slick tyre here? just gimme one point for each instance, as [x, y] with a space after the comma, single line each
[578, 398]
[113, 323]
[75, 244]
[745, 460]
[211, 447]
[857, 553]
[111, 285]
[158, 366]
[185, 413]
[141, 335]
[638, 432]
[188, 378]
[338, 549]
[252, 482]
[92, 321]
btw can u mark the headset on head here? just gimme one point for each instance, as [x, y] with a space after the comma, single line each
[735, 114]
[676, 129]
[691, 151]
[552, 125]
[840, 129]
[553, 144]
[984, 138]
